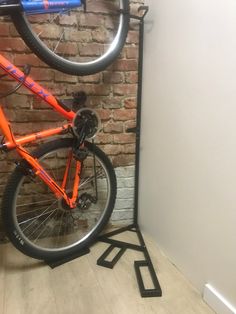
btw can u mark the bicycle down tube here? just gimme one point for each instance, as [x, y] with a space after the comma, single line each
[17, 143]
[35, 88]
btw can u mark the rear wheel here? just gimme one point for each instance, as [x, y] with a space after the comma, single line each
[43, 227]
[77, 42]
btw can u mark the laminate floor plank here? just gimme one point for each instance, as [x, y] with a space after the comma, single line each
[76, 288]
[28, 286]
[2, 276]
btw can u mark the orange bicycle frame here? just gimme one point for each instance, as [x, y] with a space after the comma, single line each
[17, 143]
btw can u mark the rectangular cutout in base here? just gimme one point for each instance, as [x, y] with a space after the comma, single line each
[145, 293]
[104, 259]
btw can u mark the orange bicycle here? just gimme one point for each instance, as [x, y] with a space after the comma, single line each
[60, 196]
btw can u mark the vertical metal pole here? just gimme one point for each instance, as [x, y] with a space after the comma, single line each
[138, 121]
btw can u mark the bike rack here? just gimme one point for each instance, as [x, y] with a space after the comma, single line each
[134, 227]
[123, 246]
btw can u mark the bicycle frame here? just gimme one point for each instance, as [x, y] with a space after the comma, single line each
[17, 143]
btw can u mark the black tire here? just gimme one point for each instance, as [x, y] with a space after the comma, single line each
[25, 27]
[70, 223]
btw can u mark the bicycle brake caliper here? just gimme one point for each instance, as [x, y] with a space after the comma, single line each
[80, 153]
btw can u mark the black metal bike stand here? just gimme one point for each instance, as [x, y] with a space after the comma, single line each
[123, 246]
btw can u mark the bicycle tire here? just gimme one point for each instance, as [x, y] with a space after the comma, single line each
[16, 225]
[58, 62]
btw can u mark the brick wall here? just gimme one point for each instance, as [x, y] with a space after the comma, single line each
[112, 93]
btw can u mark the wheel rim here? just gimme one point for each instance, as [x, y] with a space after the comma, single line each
[47, 225]
[78, 38]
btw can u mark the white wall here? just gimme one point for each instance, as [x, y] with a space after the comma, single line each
[188, 157]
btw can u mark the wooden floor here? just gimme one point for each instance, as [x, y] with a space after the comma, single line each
[30, 287]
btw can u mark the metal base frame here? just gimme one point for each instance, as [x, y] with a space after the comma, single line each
[123, 246]
[106, 238]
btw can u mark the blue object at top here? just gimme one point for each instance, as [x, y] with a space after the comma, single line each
[51, 6]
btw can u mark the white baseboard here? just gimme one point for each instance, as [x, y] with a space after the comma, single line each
[216, 301]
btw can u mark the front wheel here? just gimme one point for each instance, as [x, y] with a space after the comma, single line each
[42, 226]
[76, 41]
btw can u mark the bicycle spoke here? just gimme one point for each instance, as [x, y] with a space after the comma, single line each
[91, 178]
[53, 173]
[59, 231]
[39, 202]
[40, 215]
[46, 227]
[59, 41]
[43, 221]
[50, 21]
[30, 219]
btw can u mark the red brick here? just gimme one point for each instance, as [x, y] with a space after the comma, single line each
[130, 103]
[91, 89]
[13, 31]
[113, 77]
[129, 125]
[131, 77]
[124, 114]
[133, 37]
[30, 59]
[78, 35]
[39, 74]
[90, 20]
[58, 89]
[113, 102]
[125, 138]
[129, 149]
[7, 44]
[33, 115]
[102, 138]
[112, 149]
[18, 101]
[113, 127]
[48, 31]
[39, 18]
[95, 78]
[69, 49]
[90, 49]
[4, 29]
[100, 36]
[132, 52]
[104, 114]
[125, 65]
[123, 160]
[125, 89]
[26, 128]
[67, 20]
[61, 77]
[98, 7]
